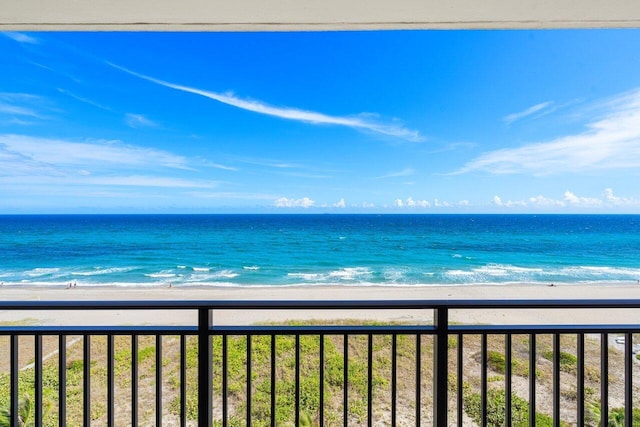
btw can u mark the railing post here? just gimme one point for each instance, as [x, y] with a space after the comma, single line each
[205, 381]
[441, 366]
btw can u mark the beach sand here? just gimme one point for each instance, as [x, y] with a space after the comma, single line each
[452, 293]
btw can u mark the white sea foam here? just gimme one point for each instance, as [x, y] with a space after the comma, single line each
[201, 269]
[37, 272]
[251, 267]
[161, 275]
[100, 271]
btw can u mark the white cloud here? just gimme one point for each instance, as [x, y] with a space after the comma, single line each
[361, 121]
[572, 199]
[497, 201]
[21, 38]
[528, 112]
[612, 142]
[284, 202]
[139, 121]
[409, 202]
[340, 204]
[21, 105]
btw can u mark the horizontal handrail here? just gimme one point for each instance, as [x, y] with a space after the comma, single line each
[317, 304]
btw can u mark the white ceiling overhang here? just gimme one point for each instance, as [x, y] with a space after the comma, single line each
[303, 15]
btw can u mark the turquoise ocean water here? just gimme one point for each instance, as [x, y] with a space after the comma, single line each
[281, 250]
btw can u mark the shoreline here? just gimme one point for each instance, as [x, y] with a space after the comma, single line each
[321, 292]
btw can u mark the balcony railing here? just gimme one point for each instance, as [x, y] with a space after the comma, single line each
[435, 372]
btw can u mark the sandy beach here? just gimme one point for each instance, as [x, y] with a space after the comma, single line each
[177, 317]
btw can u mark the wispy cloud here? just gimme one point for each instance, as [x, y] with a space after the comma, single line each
[361, 122]
[21, 105]
[403, 173]
[83, 99]
[529, 111]
[21, 37]
[61, 153]
[610, 142]
[139, 121]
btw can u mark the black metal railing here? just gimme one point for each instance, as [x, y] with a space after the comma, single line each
[363, 373]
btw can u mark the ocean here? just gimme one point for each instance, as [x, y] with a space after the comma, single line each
[308, 250]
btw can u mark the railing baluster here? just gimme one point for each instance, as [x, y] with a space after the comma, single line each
[297, 385]
[158, 380]
[321, 375]
[14, 380]
[532, 379]
[441, 368]
[604, 379]
[418, 378]
[273, 380]
[483, 379]
[628, 379]
[87, 380]
[38, 381]
[183, 381]
[370, 380]
[134, 380]
[580, 381]
[62, 380]
[111, 410]
[460, 376]
[345, 385]
[205, 377]
[507, 378]
[556, 380]
[394, 375]
[248, 380]
[225, 364]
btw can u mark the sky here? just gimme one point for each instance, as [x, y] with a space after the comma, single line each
[541, 121]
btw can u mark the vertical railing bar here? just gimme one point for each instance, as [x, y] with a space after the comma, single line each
[507, 378]
[345, 407]
[580, 381]
[248, 380]
[159, 380]
[205, 366]
[483, 379]
[134, 380]
[556, 380]
[441, 366]
[459, 380]
[532, 379]
[370, 380]
[183, 381]
[111, 381]
[14, 380]
[628, 379]
[321, 375]
[87, 380]
[418, 378]
[62, 380]
[604, 379]
[394, 376]
[38, 381]
[297, 385]
[273, 380]
[225, 364]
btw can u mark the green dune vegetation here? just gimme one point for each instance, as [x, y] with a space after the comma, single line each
[309, 403]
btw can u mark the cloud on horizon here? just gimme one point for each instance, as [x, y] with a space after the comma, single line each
[570, 200]
[288, 113]
[610, 142]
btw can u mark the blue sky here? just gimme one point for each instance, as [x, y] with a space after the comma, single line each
[393, 121]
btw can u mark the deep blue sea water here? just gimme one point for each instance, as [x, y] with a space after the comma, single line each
[280, 250]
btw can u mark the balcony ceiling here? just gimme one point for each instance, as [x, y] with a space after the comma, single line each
[302, 15]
